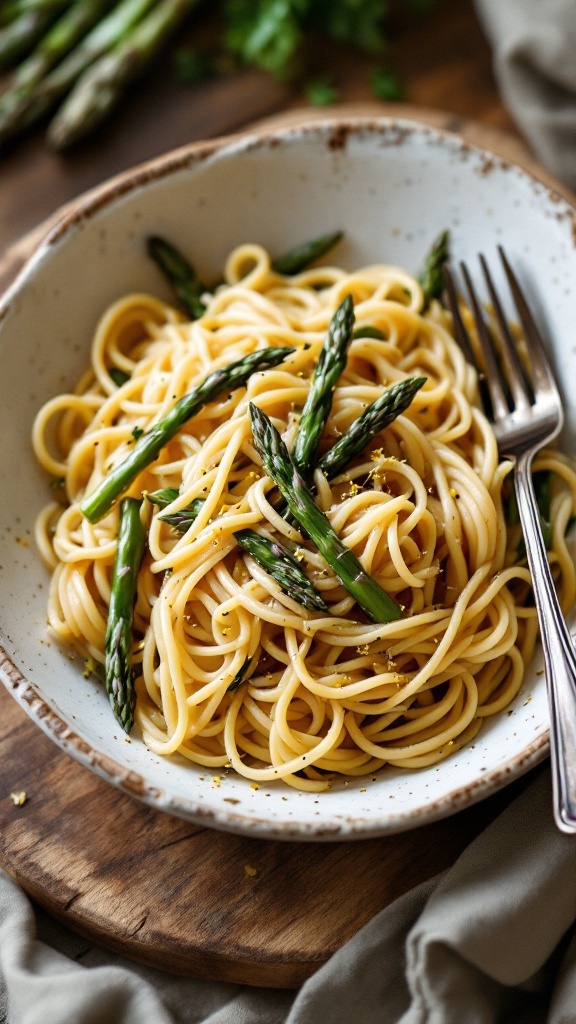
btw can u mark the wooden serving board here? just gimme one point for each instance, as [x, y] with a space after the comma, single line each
[189, 899]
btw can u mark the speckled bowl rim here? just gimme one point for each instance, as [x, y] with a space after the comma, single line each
[23, 691]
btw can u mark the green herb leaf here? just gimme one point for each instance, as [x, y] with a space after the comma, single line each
[357, 23]
[386, 85]
[265, 33]
[321, 93]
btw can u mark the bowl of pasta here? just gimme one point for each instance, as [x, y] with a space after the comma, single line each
[260, 565]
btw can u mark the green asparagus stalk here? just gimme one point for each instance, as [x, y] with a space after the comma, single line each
[369, 332]
[119, 674]
[12, 9]
[59, 40]
[431, 279]
[101, 87]
[189, 288]
[282, 567]
[181, 520]
[380, 414]
[318, 403]
[148, 446]
[119, 376]
[375, 602]
[163, 497]
[20, 36]
[245, 671]
[116, 26]
[303, 255]
[270, 555]
[180, 274]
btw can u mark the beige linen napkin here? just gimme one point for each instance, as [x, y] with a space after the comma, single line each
[492, 941]
[534, 49]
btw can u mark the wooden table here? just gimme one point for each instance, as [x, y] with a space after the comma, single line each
[444, 63]
[443, 60]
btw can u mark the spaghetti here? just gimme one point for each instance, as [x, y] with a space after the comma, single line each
[231, 670]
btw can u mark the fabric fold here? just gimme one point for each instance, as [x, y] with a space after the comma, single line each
[491, 941]
[533, 44]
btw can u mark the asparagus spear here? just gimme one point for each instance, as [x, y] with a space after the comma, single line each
[245, 671]
[20, 36]
[119, 674]
[180, 274]
[148, 446]
[394, 401]
[369, 332]
[118, 376]
[319, 399]
[282, 567]
[163, 497]
[100, 88]
[373, 420]
[105, 35]
[187, 286]
[431, 278]
[375, 602]
[12, 9]
[303, 255]
[270, 555]
[68, 29]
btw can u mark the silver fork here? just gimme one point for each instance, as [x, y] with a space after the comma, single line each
[526, 416]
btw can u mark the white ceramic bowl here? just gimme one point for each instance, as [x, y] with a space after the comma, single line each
[391, 186]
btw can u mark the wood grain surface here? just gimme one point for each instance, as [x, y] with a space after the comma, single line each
[442, 59]
[188, 899]
[154, 888]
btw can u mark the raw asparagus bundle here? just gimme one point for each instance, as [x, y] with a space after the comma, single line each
[22, 33]
[59, 40]
[101, 87]
[83, 61]
[273, 35]
[48, 91]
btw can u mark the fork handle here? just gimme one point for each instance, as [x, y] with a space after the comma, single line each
[559, 653]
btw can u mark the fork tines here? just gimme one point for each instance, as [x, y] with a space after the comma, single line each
[496, 353]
